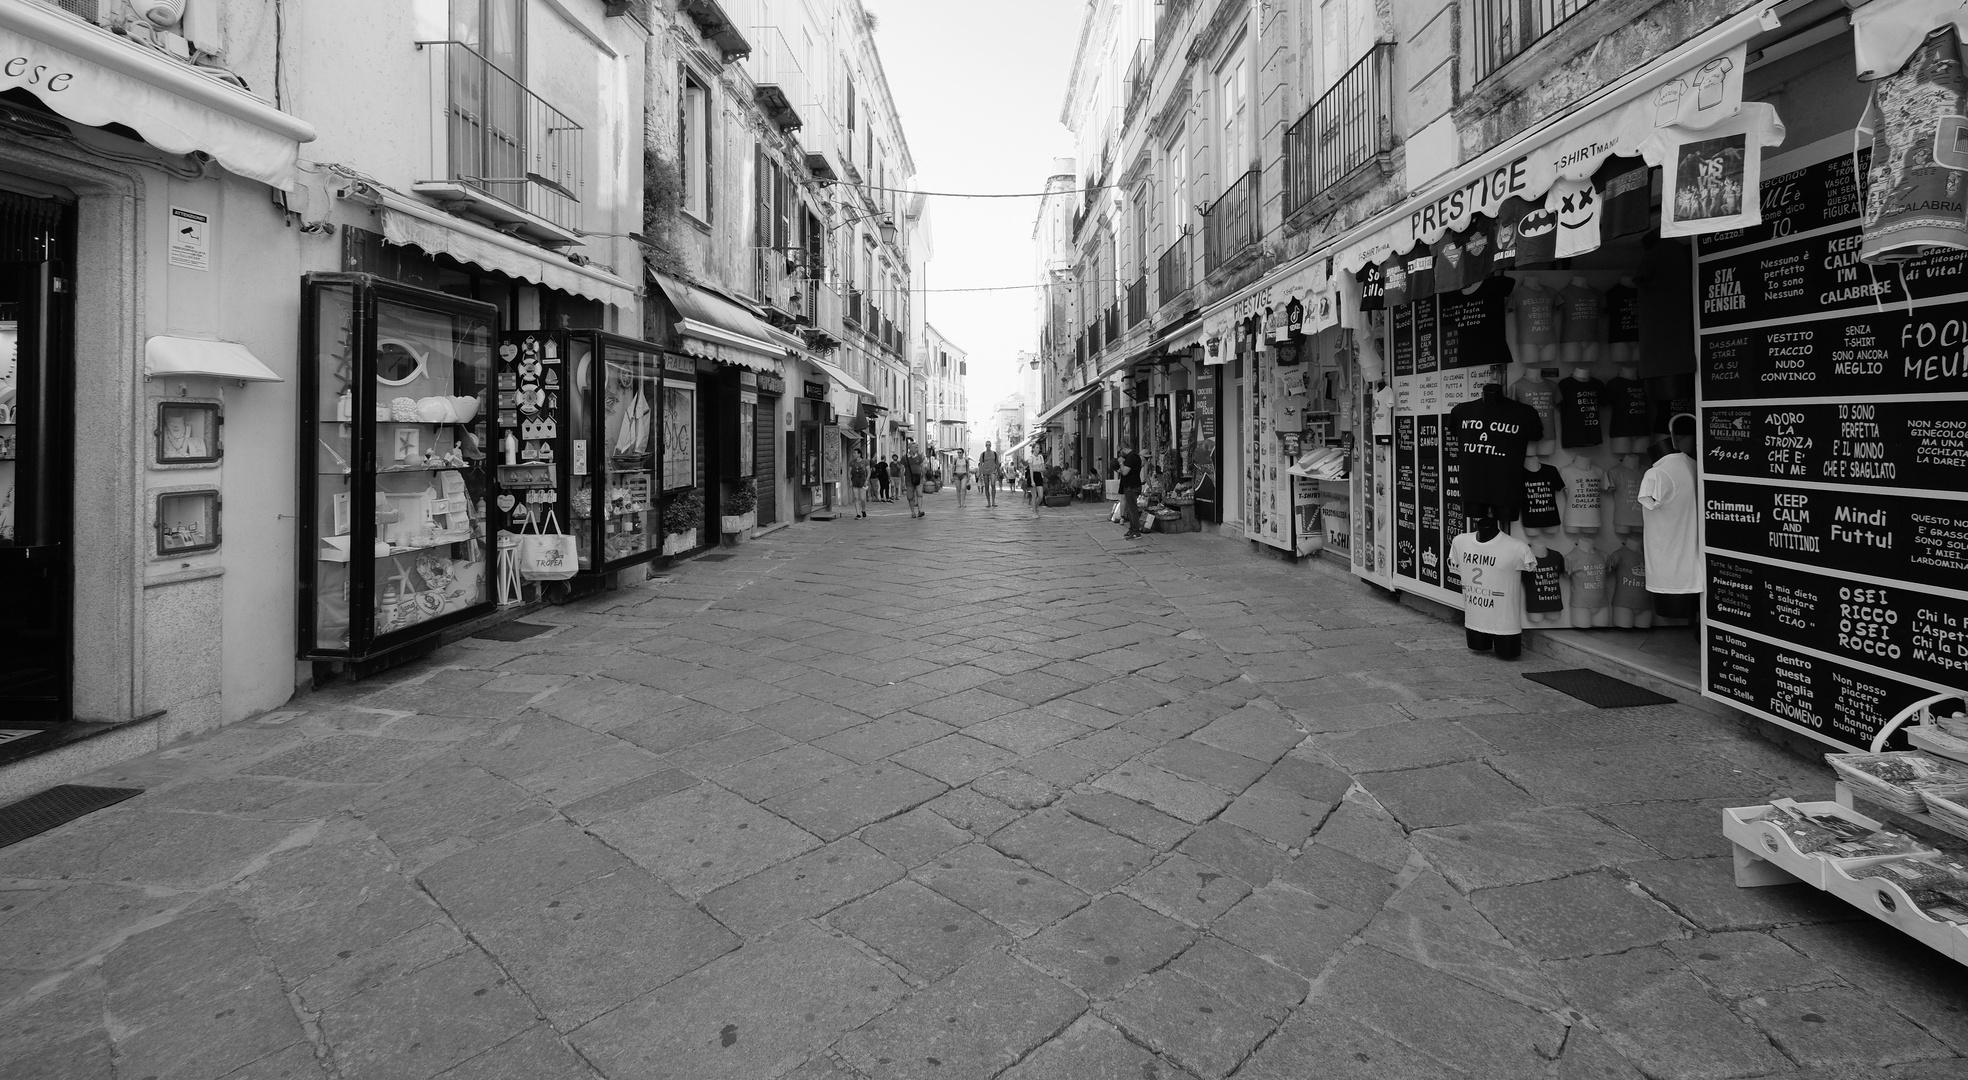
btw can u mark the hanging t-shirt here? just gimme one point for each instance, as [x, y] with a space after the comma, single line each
[1579, 402]
[1383, 414]
[1668, 498]
[1478, 249]
[1628, 409]
[1670, 409]
[1492, 575]
[1587, 569]
[1577, 207]
[1545, 595]
[1394, 273]
[1710, 177]
[1623, 304]
[1451, 263]
[1373, 287]
[1914, 202]
[1537, 237]
[1492, 436]
[1541, 396]
[1628, 570]
[1537, 316]
[1584, 485]
[1509, 219]
[1626, 197]
[1543, 487]
[1583, 305]
[1886, 32]
[1470, 325]
[1420, 264]
[1623, 486]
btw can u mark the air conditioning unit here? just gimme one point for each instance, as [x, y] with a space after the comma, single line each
[163, 14]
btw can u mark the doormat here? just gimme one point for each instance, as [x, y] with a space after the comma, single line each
[58, 805]
[512, 631]
[1596, 689]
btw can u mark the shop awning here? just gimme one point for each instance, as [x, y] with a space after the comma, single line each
[166, 356]
[844, 392]
[1021, 445]
[94, 77]
[718, 328]
[1072, 399]
[416, 224]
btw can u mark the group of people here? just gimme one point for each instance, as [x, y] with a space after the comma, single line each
[908, 470]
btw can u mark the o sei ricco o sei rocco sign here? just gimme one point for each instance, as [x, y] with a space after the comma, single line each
[1834, 421]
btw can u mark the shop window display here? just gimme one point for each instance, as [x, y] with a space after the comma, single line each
[395, 529]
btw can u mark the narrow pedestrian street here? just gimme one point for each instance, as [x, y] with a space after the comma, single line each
[975, 795]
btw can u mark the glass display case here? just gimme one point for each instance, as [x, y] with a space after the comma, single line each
[396, 469]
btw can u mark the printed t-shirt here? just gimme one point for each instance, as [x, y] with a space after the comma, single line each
[1420, 264]
[1476, 318]
[1537, 237]
[1579, 402]
[1542, 487]
[1583, 486]
[1670, 409]
[1625, 197]
[1492, 436]
[1667, 497]
[1628, 570]
[1623, 302]
[1451, 263]
[1492, 577]
[1710, 177]
[1478, 250]
[1537, 316]
[1545, 595]
[1373, 287]
[1383, 414]
[1509, 219]
[1913, 194]
[1628, 408]
[1394, 276]
[1543, 397]
[1587, 569]
[1623, 483]
[1577, 207]
[1582, 306]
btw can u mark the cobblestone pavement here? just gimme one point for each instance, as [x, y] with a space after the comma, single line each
[979, 795]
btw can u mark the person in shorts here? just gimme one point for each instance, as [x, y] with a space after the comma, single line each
[857, 478]
[912, 478]
[987, 474]
[960, 475]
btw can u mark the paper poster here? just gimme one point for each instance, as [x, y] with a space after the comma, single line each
[191, 239]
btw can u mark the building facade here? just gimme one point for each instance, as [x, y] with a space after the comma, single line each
[945, 368]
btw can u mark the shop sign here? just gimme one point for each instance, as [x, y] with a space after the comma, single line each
[816, 390]
[747, 377]
[770, 384]
[1834, 419]
[679, 363]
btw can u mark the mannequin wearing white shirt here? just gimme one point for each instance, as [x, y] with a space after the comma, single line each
[1575, 470]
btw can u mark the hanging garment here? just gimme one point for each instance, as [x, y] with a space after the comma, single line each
[1623, 487]
[1543, 397]
[1583, 486]
[1579, 402]
[1492, 575]
[1628, 570]
[1542, 487]
[1577, 208]
[1668, 497]
[1624, 304]
[1545, 596]
[1583, 306]
[1710, 177]
[1627, 408]
[1587, 569]
[1917, 191]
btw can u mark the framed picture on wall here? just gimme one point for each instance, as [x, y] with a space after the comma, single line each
[188, 433]
[187, 521]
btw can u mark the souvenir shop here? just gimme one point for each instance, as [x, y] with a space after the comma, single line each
[1166, 402]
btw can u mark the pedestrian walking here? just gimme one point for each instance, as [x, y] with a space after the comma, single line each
[960, 475]
[895, 474]
[912, 478]
[857, 477]
[880, 475]
[987, 474]
[1129, 471]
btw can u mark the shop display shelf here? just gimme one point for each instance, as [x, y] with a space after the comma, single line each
[1936, 742]
[1765, 856]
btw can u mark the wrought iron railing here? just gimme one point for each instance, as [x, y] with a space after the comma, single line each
[1230, 224]
[1141, 72]
[1172, 270]
[1114, 322]
[1094, 343]
[854, 306]
[1342, 131]
[1504, 28]
[1137, 300]
[505, 141]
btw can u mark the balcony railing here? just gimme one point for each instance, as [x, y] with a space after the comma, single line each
[1093, 338]
[1230, 224]
[1505, 28]
[1172, 270]
[1141, 72]
[779, 85]
[504, 141]
[1113, 327]
[854, 306]
[1343, 130]
[1137, 300]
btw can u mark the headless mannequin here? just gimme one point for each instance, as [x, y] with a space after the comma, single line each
[1589, 524]
[1630, 462]
[1524, 353]
[1548, 444]
[1626, 617]
[1502, 646]
[1583, 352]
[1624, 352]
[1627, 444]
[1532, 464]
[1586, 618]
[1543, 618]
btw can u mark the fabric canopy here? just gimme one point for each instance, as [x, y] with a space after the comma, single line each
[94, 77]
[1072, 399]
[165, 356]
[726, 332]
[844, 392]
[407, 221]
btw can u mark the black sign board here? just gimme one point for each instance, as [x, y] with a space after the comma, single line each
[1813, 197]
[1404, 497]
[817, 390]
[1428, 497]
[1859, 354]
[1920, 634]
[1400, 339]
[1833, 700]
[1894, 444]
[1815, 275]
[1426, 357]
[1470, 331]
[1903, 537]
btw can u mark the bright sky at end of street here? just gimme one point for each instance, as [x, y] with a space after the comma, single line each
[979, 88]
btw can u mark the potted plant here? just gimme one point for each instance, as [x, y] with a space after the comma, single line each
[740, 510]
[683, 515]
[1057, 491]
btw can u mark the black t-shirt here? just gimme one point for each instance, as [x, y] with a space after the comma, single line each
[1623, 304]
[1541, 488]
[1471, 325]
[1626, 197]
[1509, 219]
[1626, 399]
[1537, 237]
[1420, 264]
[1373, 288]
[1543, 595]
[1492, 435]
[1451, 263]
[1131, 479]
[1579, 402]
[1671, 408]
[1479, 249]
[1394, 276]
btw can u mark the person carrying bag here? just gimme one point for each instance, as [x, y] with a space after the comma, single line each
[544, 555]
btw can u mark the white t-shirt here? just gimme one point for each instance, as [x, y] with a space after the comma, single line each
[1579, 506]
[1669, 498]
[1492, 581]
[1624, 484]
[1383, 413]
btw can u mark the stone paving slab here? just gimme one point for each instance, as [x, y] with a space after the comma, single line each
[869, 794]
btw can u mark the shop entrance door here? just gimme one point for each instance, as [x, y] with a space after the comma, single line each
[763, 455]
[35, 477]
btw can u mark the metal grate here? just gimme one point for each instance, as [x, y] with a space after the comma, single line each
[56, 806]
[1342, 131]
[512, 631]
[1505, 28]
